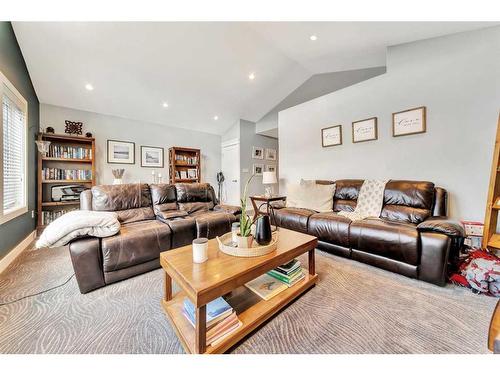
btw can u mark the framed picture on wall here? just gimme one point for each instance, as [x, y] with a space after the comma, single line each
[410, 121]
[364, 130]
[270, 168]
[151, 157]
[258, 169]
[257, 153]
[270, 154]
[121, 152]
[331, 136]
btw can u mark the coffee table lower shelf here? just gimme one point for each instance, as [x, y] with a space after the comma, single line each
[252, 317]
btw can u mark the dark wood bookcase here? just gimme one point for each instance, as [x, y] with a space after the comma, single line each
[60, 160]
[184, 164]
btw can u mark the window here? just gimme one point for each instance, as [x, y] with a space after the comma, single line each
[13, 150]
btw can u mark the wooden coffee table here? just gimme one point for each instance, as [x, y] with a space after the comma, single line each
[225, 275]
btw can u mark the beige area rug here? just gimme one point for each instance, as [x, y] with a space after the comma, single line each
[355, 308]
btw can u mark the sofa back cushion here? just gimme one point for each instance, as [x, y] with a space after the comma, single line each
[132, 202]
[408, 201]
[346, 194]
[164, 197]
[195, 197]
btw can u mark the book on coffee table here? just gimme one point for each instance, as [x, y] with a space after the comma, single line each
[266, 287]
[217, 310]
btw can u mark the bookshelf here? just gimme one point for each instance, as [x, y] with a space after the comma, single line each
[70, 160]
[491, 238]
[184, 164]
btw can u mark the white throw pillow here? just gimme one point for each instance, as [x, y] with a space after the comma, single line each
[311, 196]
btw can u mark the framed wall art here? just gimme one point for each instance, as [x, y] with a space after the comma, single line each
[258, 169]
[257, 153]
[364, 130]
[270, 154]
[270, 168]
[410, 121]
[120, 152]
[331, 136]
[151, 157]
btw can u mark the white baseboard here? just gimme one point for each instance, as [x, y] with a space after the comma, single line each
[15, 252]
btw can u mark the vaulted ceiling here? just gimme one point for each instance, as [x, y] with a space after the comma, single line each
[199, 69]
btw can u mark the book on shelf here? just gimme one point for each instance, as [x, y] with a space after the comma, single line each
[66, 174]
[221, 319]
[266, 286]
[291, 279]
[289, 267]
[69, 152]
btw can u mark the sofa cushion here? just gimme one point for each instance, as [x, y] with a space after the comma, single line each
[293, 218]
[163, 197]
[398, 241]
[131, 202]
[136, 243]
[330, 227]
[311, 196]
[408, 201]
[346, 194]
[183, 231]
[212, 223]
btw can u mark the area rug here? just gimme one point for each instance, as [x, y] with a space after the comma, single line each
[355, 308]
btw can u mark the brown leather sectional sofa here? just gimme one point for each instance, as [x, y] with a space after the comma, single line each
[412, 237]
[154, 218]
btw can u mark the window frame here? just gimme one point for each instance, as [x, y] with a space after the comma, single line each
[18, 99]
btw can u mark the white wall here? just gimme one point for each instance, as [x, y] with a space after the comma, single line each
[457, 77]
[104, 127]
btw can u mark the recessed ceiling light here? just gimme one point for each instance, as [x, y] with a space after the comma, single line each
[251, 76]
[89, 87]
[165, 104]
[216, 118]
[313, 37]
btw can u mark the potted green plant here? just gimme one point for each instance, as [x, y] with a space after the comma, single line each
[245, 237]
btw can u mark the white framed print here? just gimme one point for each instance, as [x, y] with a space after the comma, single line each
[257, 153]
[270, 154]
[151, 157]
[410, 121]
[331, 136]
[258, 169]
[270, 168]
[364, 130]
[121, 152]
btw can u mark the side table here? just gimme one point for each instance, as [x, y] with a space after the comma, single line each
[255, 199]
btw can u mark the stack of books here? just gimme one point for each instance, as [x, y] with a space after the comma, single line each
[289, 273]
[221, 319]
[275, 281]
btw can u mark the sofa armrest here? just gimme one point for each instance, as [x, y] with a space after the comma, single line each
[86, 257]
[235, 210]
[442, 225]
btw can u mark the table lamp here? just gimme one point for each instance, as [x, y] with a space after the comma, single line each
[269, 179]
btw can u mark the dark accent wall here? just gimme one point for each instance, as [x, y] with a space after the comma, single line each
[12, 65]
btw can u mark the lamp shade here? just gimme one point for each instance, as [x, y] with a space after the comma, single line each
[269, 178]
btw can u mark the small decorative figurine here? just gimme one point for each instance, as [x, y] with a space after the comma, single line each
[73, 127]
[49, 130]
[88, 135]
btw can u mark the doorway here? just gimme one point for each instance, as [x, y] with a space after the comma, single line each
[230, 162]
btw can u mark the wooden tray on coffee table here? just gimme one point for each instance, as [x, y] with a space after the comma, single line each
[225, 275]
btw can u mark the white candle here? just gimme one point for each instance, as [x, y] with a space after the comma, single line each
[200, 250]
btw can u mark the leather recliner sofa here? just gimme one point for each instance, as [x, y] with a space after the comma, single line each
[412, 236]
[154, 218]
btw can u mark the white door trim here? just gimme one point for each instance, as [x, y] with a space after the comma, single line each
[15, 252]
[231, 142]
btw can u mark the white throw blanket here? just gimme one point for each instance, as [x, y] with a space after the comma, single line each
[79, 223]
[370, 200]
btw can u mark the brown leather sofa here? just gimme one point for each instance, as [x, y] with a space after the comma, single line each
[154, 218]
[412, 237]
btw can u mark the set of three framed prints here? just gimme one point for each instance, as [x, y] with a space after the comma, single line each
[410, 121]
[121, 152]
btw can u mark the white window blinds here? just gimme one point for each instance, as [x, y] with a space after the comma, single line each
[14, 120]
[13, 151]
